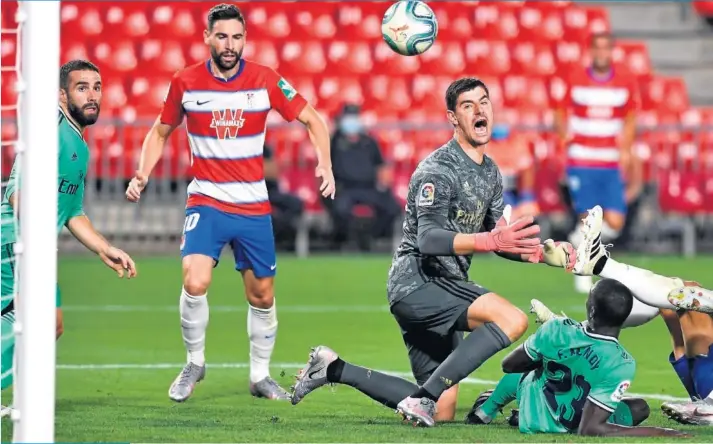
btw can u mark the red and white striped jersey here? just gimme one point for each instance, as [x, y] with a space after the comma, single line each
[597, 109]
[225, 122]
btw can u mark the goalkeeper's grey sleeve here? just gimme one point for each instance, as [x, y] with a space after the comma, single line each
[433, 239]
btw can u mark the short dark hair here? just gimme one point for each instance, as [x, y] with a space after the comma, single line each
[460, 86]
[224, 11]
[71, 66]
[611, 301]
[600, 35]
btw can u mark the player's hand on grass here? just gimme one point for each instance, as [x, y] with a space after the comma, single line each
[556, 254]
[327, 187]
[513, 238]
[119, 261]
[136, 186]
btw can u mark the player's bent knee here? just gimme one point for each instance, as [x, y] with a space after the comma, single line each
[639, 408]
[512, 321]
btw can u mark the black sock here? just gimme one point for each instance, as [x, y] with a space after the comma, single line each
[599, 266]
[477, 348]
[386, 389]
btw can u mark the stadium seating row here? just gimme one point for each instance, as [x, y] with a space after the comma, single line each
[533, 21]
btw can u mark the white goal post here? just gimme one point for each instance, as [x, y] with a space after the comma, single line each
[35, 352]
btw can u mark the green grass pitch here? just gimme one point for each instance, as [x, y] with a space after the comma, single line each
[122, 348]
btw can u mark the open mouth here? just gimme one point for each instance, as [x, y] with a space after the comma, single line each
[228, 56]
[481, 126]
[90, 108]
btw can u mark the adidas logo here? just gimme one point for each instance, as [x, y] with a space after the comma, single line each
[74, 156]
[597, 245]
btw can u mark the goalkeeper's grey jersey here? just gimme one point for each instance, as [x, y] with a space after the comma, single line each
[448, 190]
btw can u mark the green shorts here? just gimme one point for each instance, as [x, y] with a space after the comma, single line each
[7, 278]
[8, 348]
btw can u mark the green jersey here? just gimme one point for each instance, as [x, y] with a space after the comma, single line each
[73, 164]
[577, 365]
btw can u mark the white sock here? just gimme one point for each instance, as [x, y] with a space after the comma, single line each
[262, 331]
[640, 314]
[194, 322]
[709, 398]
[648, 287]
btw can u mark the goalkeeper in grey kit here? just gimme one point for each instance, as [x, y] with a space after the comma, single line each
[454, 209]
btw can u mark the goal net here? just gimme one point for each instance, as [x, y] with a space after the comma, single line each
[30, 83]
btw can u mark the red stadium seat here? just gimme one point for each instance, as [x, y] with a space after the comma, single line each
[171, 21]
[127, 20]
[598, 19]
[680, 192]
[78, 24]
[547, 188]
[532, 60]
[117, 56]
[161, 56]
[266, 20]
[387, 94]
[260, 51]
[360, 21]
[303, 183]
[454, 23]
[540, 22]
[7, 15]
[635, 56]
[386, 61]
[8, 47]
[303, 58]
[488, 58]
[704, 8]
[314, 23]
[443, 58]
[334, 92]
[349, 58]
[496, 21]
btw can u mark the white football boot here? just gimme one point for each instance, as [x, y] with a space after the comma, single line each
[694, 413]
[591, 249]
[692, 298]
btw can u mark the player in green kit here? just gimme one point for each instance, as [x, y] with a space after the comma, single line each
[570, 377]
[80, 101]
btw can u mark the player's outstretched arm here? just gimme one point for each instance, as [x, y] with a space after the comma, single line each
[319, 135]
[151, 152]
[82, 229]
[594, 423]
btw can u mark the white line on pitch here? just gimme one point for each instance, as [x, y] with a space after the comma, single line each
[290, 365]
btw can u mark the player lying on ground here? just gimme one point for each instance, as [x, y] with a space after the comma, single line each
[571, 378]
[225, 101]
[693, 334]
[454, 209]
[79, 105]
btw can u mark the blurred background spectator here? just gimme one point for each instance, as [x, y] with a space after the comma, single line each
[363, 178]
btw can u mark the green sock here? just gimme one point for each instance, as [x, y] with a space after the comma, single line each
[505, 392]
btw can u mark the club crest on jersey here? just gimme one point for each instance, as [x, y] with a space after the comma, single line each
[427, 195]
[227, 123]
[618, 394]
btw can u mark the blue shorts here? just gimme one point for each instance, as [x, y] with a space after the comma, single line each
[207, 230]
[589, 187]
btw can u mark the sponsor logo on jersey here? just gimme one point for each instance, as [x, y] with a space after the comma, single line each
[427, 195]
[287, 89]
[227, 123]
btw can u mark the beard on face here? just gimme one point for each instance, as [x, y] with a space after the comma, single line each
[225, 65]
[80, 114]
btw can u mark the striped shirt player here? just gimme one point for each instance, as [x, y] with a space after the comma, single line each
[225, 103]
[600, 104]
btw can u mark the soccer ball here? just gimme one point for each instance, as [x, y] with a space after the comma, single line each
[409, 27]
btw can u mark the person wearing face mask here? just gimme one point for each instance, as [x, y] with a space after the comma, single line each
[362, 175]
[512, 155]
